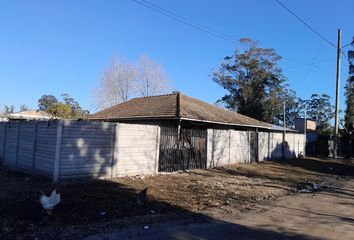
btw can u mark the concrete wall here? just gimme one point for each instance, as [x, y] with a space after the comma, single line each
[239, 151]
[264, 146]
[29, 146]
[86, 150]
[72, 149]
[227, 147]
[137, 149]
[218, 147]
[233, 146]
[275, 145]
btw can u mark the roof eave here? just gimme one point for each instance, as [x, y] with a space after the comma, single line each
[223, 123]
[136, 118]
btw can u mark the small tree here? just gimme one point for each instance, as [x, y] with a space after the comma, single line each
[68, 108]
[47, 103]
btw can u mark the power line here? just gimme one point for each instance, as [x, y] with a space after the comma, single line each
[311, 66]
[311, 28]
[306, 24]
[195, 25]
[186, 21]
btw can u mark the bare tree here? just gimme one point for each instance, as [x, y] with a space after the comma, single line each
[6, 110]
[122, 80]
[24, 107]
[116, 85]
[151, 78]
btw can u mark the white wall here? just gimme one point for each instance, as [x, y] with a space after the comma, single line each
[74, 149]
[227, 147]
[29, 146]
[136, 149]
[218, 147]
[239, 147]
[263, 146]
[275, 145]
[86, 149]
[232, 146]
[80, 149]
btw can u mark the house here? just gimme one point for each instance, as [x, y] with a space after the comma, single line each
[30, 116]
[312, 136]
[196, 134]
[176, 109]
[143, 136]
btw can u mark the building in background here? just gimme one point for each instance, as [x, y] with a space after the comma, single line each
[30, 116]
[311, 134]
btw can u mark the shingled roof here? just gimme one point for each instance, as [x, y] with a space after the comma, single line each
[175, 106]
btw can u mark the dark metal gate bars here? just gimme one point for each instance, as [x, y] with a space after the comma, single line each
[183, 152]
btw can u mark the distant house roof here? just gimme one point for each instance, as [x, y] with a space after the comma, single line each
[175, 106]
[279, 128]
[30, 115]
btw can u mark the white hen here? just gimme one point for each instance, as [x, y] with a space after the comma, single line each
[48, 203]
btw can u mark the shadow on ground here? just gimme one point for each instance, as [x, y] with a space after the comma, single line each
[97, 206]
[212, 230]
[340, 167]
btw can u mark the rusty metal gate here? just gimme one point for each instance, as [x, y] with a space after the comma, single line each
[183, 152]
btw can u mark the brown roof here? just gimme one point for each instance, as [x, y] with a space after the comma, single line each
[175, 106]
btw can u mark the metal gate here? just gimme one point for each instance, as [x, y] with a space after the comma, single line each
[187, 151]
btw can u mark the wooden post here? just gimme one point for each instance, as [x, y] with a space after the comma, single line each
[158, 136]
[58, 151]
[17, 145]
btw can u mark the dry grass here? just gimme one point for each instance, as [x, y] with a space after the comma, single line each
[181, 195]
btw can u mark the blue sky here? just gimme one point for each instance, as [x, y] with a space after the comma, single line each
[54, 47]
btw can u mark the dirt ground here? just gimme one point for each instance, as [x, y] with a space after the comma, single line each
[187, 197]
[327, 214]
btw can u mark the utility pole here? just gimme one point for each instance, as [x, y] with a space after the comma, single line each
[305, 129]
[337, 96]
[284, 131]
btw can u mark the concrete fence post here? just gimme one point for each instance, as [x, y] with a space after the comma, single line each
[58, 151]
[249, 145]
[114, 151]
[229, 131]
[34, 146]
[17, 143]
[158, 135]
[4, 144]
